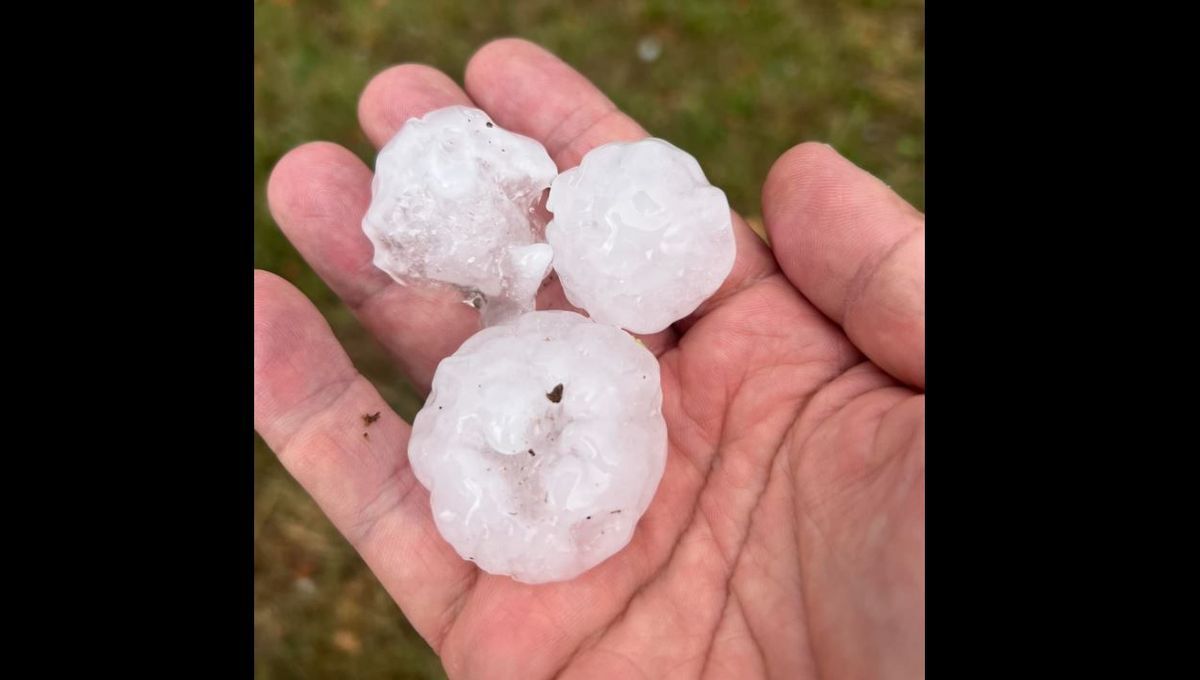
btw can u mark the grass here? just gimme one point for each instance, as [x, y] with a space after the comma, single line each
[736, 84]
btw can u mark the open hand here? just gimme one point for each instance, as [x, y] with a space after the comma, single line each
[787, 536]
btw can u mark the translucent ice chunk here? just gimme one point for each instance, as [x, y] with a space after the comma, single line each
[640, 237]
[453, 201]
[542, 443]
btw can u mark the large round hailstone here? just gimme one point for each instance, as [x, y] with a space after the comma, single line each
[640, 237]
[542, 443]
[453, 201]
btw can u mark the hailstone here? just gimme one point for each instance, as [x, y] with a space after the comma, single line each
[453, 201]
[640, 237]
[542, 443]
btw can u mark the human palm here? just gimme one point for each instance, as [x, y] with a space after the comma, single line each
[787, 536]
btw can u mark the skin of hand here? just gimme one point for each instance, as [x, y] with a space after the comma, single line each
[787, 537]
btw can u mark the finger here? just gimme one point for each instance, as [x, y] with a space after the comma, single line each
[531, 91]
[855, 249]
[312, 408]
[318, 194]
[403, 92]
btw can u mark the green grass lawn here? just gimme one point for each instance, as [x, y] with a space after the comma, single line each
[735, 83]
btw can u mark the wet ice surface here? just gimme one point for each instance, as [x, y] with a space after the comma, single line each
[453, 202]
[640, 237]
[542, 443]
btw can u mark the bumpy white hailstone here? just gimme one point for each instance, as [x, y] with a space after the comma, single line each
[453, 201]
[640, 237]
[542, 443]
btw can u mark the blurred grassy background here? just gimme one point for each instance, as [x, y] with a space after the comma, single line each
[736, 83]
